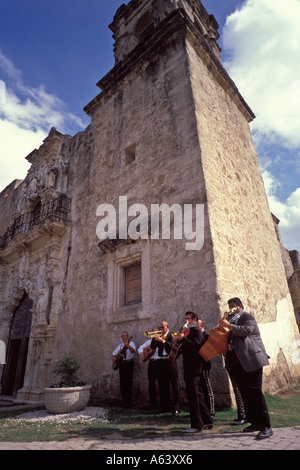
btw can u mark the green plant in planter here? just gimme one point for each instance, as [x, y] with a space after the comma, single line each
[66, 368]
[69, 394]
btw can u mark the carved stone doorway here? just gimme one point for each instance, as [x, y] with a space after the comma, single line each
[14, 370]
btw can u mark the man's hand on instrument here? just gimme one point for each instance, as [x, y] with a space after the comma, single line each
[224, 324]
[179, 336]
[128, 346]
[159, 338]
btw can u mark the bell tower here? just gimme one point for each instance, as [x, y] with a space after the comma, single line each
[137, 21]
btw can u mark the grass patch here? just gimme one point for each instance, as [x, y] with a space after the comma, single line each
[140, 424]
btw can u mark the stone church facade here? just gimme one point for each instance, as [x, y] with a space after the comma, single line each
[169, 126]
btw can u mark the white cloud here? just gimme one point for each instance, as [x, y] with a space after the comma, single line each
[288, 211]
[261, 40]
[26, 117]
[15, 144]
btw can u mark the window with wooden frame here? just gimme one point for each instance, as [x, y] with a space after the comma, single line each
[133, 284]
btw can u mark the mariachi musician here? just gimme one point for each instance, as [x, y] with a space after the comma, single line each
[167, 370]
[124, 353]
[200, 415]
[245, 359]
[150, 356]
[205, 379]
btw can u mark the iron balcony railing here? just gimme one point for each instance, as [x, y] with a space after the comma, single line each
[58, 209]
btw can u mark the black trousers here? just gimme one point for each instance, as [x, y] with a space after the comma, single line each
[199, 413]
[153, 376]
[168, 375]
[126, 377]
[208, 391]
[250, 386]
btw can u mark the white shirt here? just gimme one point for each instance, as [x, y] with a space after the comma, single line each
[145, 345]
[129, 354]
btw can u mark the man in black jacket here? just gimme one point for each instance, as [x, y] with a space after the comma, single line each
[245, 360]
[192, 366]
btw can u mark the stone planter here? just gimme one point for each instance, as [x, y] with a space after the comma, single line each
[67, 400]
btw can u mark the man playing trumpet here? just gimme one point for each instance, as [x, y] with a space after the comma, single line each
[145, 352]
[167, 371]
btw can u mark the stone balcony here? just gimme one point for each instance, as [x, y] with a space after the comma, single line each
[57, 210]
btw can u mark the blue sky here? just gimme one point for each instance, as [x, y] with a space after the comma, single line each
[52, 53]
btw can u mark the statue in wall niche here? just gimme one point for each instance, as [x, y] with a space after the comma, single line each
[29, 197]
[23, 261]
[41, 308]
[42, 295]
[31, 192]
[52, 176]
[62, 178]
[37, 372]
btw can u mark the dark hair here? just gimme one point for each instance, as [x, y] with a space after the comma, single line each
[236, 301]
[193, 315]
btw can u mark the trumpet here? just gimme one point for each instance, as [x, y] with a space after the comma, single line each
[152, 334]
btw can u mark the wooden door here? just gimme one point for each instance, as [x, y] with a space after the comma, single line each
[14, 369]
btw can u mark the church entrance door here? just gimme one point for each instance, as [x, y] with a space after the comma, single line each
[14, 370]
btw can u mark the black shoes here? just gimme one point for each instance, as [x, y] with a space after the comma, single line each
[238, 422]
[251, 428]
[208, 426]
[195, 430]
[264, 433]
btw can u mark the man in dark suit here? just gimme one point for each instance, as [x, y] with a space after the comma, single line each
[244, 361]
[167, 370]
[200, 416]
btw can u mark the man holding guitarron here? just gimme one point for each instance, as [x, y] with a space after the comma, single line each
[245, 359]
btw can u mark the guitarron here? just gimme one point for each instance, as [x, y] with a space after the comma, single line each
[217, 342]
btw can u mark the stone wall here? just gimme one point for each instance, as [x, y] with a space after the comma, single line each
[9, 198]
[152, 111]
